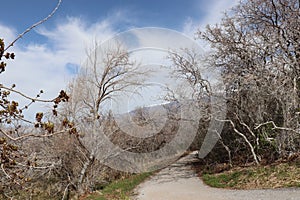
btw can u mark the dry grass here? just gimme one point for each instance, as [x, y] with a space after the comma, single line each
[120, 189]
[256, 177]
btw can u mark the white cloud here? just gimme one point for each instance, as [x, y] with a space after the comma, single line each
[150, 47]
[46, 66]
[73, 37]
[214, 10]
[7, 33]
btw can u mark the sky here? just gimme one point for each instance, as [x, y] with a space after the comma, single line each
[49, 56]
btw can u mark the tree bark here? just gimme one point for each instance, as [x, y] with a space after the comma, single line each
[83, 172]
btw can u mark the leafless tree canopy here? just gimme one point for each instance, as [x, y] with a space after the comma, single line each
[107, 74]
[256, 47]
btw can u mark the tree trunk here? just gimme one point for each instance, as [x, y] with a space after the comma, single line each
[83, 172]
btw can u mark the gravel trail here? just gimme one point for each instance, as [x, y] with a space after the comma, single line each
[179, 182]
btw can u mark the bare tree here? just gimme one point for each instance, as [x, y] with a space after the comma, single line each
[256, 47]
[107, 74]
[201, 85]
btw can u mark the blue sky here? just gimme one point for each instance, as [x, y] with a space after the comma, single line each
[123, 14]
[166, 13]
[47, 57]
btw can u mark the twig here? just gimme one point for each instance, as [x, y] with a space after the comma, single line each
[6, 174]
[32, 135]
[276, 127]
[34, 25]
[34, 167]
[8, 197]
[25, 96]
[65, 191]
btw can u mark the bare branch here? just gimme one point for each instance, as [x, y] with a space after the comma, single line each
[33, 135]
[276, 127]
[25, 96]
[245, 139]
[34, 25]
[6, 174]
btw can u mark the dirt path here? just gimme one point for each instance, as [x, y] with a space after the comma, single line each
[179, 182]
